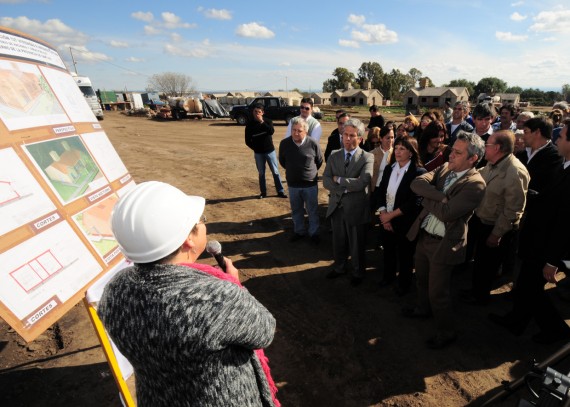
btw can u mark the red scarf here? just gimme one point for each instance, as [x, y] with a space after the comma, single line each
[259, 352]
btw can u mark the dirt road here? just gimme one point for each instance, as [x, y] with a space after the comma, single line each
[335, 345]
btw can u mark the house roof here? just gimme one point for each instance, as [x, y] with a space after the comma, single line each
[353, 92]
[437, 91]
[322, 95]
[290, 94]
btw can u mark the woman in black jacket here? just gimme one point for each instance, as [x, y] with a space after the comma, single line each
[398, 208]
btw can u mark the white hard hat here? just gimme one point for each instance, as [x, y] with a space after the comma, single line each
[153, 219]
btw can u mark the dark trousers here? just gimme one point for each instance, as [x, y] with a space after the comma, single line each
[348, 240]
[398, 257]
[487, 259]
[532, 301]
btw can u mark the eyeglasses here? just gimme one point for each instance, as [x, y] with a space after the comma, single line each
[490, 144]
[305, 108]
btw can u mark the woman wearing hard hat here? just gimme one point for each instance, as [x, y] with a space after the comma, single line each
[192, 333]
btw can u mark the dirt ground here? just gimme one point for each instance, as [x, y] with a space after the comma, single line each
[335, 345]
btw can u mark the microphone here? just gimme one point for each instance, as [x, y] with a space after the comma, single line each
[215, 249]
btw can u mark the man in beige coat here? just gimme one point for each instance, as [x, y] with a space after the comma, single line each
[496, 220]
[450, 194]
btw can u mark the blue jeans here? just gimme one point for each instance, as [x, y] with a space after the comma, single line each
[271, 160]
[301, 198]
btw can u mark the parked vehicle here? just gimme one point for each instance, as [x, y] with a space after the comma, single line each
[84, 84]
[276, 108]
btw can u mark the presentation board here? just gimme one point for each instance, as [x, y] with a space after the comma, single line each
[59, 180]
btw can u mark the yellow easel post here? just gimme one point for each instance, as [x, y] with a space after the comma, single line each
[110, 355]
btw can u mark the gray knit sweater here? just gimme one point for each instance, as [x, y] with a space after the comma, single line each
[189, 336]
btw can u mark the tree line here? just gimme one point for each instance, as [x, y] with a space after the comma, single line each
[395, 83]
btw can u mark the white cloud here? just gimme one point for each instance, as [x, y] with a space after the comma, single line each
[517, 17]
[552, 21]
[218, 14]
[285, 64]
[134, 59]
[118, 44]
[172, 21]
[150, 30]
[83, 54]
[509, 37]
[142, 16]
[356, 19]
[516, 4]
[375, 34]
[254, 30]
[191, 52]
[13, 1]
[550, 39]
[175, 37]
[348, 43]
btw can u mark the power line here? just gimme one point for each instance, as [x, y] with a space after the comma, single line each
[108, 62]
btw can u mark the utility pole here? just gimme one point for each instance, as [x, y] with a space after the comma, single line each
[73, 60]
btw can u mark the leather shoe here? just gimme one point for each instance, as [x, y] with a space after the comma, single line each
[261, 196]
[296, 237]
[355, 281]
[507, 323]
[468, 298]
[400, 291]
[385, 282]
[281, 195]
[441, 341]
[334, 274]
[315, 240]
[415, 312]
[548, 338]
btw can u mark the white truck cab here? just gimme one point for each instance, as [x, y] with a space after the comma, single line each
[84, 84]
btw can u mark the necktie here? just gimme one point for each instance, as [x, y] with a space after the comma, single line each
[347, 160]
[448, 180]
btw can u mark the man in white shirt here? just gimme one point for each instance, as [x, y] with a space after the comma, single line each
[315, 129]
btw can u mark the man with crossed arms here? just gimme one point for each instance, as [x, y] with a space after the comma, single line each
[450, 194]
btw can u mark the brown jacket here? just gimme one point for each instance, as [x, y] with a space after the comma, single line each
[462, 199]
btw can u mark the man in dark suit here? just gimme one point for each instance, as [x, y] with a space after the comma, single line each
[450, 194]
[347, 176]
[540, 156]
[544, 244]
[334, 142]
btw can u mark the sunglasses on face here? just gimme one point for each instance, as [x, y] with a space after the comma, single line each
[305, 108]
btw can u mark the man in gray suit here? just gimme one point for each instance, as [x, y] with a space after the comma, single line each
[450, 194]
[347, 176]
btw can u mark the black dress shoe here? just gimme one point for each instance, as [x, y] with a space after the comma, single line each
[508, 323]
[415, 312]
[281, 195]
[355, 281]
[315, 240]
[261, 196]
[548, 338]
[401, 291]
[468, 298]
[441, 341]
[296, 237]
[334, 274]
[385, 282]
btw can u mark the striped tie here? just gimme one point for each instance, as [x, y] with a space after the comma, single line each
[347, 160]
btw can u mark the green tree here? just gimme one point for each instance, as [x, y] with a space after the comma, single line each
[566, 92]
[514, 89]
[342, 77]
[371, 72]
[394, 84]
[415, 75]
[463, 83]
[490, 85]
[170, 84]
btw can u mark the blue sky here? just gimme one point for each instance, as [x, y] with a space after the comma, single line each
[243, 45]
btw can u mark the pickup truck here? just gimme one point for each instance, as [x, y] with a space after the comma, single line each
[275, 109]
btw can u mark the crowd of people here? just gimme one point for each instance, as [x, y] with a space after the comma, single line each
[471, 188]
[470, 192]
